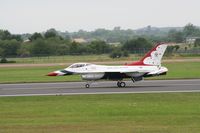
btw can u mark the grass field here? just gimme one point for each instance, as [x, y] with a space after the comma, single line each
[37, 74]
[90, 58]
[119, 113]
[72, 58]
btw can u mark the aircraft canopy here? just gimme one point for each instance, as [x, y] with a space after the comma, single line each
[77, 65]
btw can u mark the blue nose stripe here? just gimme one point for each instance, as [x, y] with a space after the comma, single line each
[66, 72]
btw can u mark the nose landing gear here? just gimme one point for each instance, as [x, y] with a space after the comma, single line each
[87, 85]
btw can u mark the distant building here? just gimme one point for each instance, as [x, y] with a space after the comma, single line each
[27, 40]
[79, 40]
[191, 40]
[115, 44]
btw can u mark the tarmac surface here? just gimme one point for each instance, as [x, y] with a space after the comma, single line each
[102, 87]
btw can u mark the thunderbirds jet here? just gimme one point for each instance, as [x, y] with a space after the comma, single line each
[148, 66]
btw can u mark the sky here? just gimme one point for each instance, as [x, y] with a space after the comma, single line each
[29, 16]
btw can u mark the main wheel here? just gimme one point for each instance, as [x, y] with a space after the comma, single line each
[123, 84]
[119, 84]
[87, 86]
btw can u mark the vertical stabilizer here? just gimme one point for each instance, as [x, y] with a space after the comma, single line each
[153, 57]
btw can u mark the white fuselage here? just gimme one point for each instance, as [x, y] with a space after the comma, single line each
[94, 72]
[103, 68]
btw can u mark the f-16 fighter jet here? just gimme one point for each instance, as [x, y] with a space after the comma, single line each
[148, 66]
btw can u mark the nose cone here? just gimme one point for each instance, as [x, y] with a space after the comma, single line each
[59, 73]
[52, 74]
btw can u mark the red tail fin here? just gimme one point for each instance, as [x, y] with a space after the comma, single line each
[153, 57]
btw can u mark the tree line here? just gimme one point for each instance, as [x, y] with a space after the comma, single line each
[53, 42]
[166, 34]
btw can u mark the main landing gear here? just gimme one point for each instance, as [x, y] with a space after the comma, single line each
[87, 85]
[121, 84]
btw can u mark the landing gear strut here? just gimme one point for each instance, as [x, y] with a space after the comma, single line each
[121, 84]
[87, 85]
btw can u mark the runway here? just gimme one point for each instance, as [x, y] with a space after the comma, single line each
[103, 87]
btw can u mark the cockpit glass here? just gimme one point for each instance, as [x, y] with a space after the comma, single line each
[78, 65]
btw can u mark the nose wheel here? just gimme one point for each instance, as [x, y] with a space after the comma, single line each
[121, 84]
[87, 85]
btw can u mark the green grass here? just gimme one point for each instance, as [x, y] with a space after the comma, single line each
[119, 113]
[90, 58]
[32, 74]
[181, 70]
[72, 58]
[37, 74]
